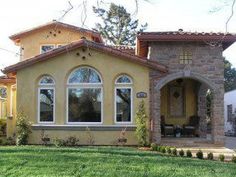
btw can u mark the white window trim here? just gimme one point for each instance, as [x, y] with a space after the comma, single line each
[83, 86]
[54, 107]
[131, 97]
[79, 84]
[40, 48]
[46, 84]
[11, 101]
[117, 83]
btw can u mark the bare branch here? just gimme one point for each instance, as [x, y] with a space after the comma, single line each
[231, 15]
[66, 11]
[84, 13]
[10, 51]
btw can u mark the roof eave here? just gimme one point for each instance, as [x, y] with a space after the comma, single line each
[85, 43]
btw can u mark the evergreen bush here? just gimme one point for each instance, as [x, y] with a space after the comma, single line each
[199, 154]
[141, 122]
[189, 153]
[210, 156]
[23, 129]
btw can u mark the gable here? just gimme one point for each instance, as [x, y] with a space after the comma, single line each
[54, 34]
[86, 45]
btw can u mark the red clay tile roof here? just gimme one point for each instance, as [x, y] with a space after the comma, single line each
[180, 35]
[54, 23]
[85, 43]
[6, 79]
[125, 48]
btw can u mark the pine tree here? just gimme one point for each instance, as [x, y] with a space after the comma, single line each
[118, 27]
[141, 122]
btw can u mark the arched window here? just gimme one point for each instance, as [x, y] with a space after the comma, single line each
[46, 100]
[123, 99]
[84, 96]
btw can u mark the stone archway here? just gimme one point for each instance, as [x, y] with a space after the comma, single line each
[217, 104]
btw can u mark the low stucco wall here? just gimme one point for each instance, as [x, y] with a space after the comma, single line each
[100, 136]
[59, 68]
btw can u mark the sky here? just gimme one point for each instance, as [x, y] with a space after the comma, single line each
[161, 15]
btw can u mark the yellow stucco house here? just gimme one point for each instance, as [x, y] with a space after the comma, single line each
[68, 80]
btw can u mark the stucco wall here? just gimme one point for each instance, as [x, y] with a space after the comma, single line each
[59, 68]
[32, 42]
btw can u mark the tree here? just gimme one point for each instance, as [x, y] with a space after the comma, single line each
[118, 27]
[141, 122]
[229, 76]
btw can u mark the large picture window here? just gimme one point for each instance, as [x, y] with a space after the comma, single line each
[84, 94]
[46, 100]
[123, 99]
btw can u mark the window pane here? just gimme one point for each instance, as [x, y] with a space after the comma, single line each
[46, 48]
[85, 105]
[46, 80]
[123, 79]
[123, 105]
[46, 105]
[84, 75]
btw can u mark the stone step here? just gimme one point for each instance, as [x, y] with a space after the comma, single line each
[186, 142]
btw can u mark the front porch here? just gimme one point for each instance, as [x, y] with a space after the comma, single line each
[187, 110]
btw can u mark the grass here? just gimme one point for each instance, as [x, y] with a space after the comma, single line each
[40, 161]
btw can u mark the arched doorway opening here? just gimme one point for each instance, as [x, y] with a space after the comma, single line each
[196, 86]
[185, 109]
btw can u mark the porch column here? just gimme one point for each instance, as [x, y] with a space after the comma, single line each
[218, 117]
[156, 120]
[202, 110]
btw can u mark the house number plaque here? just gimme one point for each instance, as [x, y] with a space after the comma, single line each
[141, 95]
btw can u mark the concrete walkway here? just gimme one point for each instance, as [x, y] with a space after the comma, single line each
[195, 144]
[228, 153]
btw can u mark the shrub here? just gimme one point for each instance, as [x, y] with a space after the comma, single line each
[181, 152]
[210, 156]
[90, 137]
[122, 140]
[199, 154]
[71, 141]
[3, 126]
[163, 149]
[44, 138]
[23, 129]
[159, 148]
[233, 159]
[154, 147]
[58, 142]
[168, 150]
[174, 151]
[7, 141]
[221, 157]
[189, 153]
[141, 122]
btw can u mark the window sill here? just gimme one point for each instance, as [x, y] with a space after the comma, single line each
[77, 127]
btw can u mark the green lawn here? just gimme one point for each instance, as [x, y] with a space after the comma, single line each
[103, 161]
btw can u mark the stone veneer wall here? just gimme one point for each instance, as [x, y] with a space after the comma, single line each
[207, 67]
